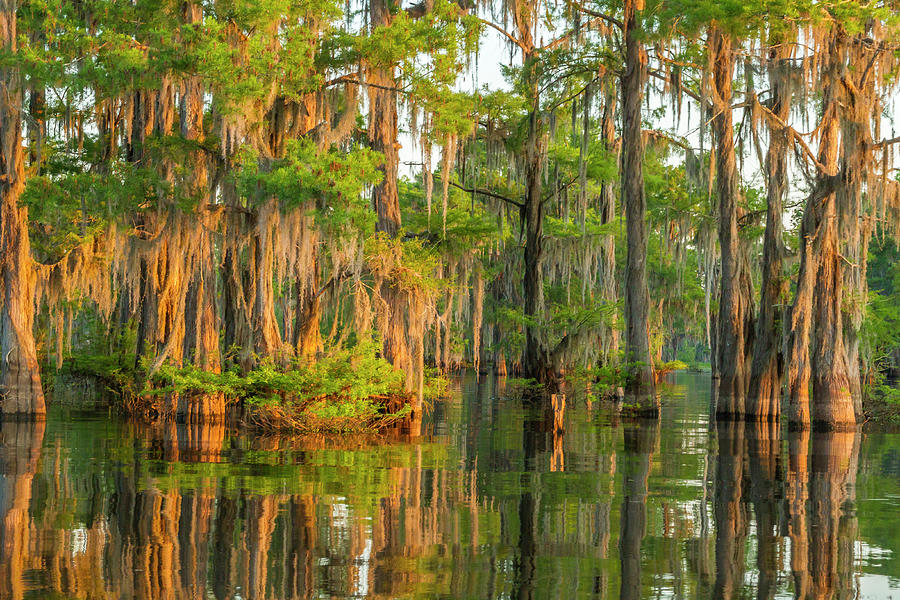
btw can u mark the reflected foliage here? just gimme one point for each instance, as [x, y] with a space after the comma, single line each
[488, 500]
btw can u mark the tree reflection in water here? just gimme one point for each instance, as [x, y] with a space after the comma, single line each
[483, 499]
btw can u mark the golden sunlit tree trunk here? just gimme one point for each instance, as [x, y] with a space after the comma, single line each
[20, 378]
[201, 338]
[833, 405]
[396, 310]
[764, 398]
[813, 233]
[860, 109]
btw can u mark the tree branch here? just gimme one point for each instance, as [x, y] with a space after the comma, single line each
[508, 35]
[475, 190]
[599, 15]
[565, 37]
[795, 135]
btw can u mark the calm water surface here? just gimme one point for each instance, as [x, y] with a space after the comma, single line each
[491, 501]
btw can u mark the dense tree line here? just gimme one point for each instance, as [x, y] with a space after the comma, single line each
[216, 186]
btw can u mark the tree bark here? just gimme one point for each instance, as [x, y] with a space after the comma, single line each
[764, 399]
[536, 359]
[609, 294]
[266, 335]
[308, 338]
[854, 225]
[383, 130]
[735, 301]
[20, 378]
[383, 136]
[641, 382]
[833, 405]
[201, 340]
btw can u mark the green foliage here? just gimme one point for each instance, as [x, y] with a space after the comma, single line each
[352, 376]
[328, 182]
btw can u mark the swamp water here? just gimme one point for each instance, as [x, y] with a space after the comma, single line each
[492, 501]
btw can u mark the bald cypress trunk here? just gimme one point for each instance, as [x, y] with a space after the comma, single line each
[609, 294]
[266, 334]
[383, 132]
[798, 366]
[832, 399]
[816, 340]
[536, 360]
[641, 382]
[854, 225]
[833, 404]
[735, 301]
[201, 339]
[20, 379]
[307, 337]
[763, 401]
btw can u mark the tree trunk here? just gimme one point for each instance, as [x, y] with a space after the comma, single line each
[607, 275]
[833, 405]
[764, 399]
[536, 359]
[308, 338]
[641, 382]
[798, 364]
[856, 164]
[383, 136]
[235, 303]
[383, 130]
[735, 309]
[266, 335]
[20, 378]
[201, 341]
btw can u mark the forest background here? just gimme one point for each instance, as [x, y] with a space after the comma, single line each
[202, 202]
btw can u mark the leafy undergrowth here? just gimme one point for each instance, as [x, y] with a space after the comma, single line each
[348, 390]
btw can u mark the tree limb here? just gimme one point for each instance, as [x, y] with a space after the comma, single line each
[507, 34]
[490, 194]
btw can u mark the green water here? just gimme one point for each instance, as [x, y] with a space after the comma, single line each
[490, 501]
